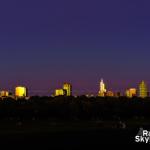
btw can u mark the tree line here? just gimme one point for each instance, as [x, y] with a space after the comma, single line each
[75, 108]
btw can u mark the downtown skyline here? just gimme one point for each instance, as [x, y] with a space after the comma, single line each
[74, 73]
[102, 89]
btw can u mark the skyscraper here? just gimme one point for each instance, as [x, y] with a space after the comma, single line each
[102, 90]
[143, 91]
[131, 92]
[20, 91]
[68, 88]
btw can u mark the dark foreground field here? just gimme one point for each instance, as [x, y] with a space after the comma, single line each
[65, 135]
[71, 123]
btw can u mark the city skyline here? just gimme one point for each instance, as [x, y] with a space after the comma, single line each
[66, 88]
[74, 74]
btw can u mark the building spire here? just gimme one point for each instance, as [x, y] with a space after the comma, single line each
[102, 89]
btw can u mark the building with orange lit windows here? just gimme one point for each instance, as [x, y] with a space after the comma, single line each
[60, 92]
[143, 90]
[20, 92]
[131, 92]
[102, 90]
[4, 93]
[68, 88]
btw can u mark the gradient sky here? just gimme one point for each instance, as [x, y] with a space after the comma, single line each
[44, 43]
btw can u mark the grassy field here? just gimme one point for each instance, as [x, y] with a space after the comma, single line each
[54, 134]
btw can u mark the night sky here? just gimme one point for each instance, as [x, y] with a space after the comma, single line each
[44, 43]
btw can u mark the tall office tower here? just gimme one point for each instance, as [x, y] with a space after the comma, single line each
[68, 88]
[102, 90]
[21, 92]
[60, 92]
[143, 90]
[131, 92]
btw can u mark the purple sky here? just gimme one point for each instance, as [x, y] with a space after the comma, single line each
[44, 43]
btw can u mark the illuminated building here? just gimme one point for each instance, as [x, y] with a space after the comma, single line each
[4, 93]
[143, 91]
[20, 91]
[68, 88]
[60, 92]
[102, 90]
[110, 94]
[131, 92]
